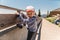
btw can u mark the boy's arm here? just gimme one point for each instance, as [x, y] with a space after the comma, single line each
[20, 16]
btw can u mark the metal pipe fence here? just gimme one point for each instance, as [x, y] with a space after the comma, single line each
[37, 35]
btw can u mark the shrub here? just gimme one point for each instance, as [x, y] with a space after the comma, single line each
[51, 19]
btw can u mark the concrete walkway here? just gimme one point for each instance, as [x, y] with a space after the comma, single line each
[49, 31]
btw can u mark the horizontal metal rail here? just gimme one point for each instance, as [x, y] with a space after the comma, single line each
[10, 8]
[7, 28]
[38, 32]
[37, 35]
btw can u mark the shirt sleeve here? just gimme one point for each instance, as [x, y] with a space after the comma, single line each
[23, 19]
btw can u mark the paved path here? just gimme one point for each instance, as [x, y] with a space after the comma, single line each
[49, 31]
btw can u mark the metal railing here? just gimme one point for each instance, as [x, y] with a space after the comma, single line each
[37, 35]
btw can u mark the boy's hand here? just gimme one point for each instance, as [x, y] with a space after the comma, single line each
[18, 11]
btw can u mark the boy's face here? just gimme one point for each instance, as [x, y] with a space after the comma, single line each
[30, 14]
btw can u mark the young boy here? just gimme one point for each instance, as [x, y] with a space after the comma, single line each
[31, 21]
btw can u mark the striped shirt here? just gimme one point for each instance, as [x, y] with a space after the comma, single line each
[31, 22]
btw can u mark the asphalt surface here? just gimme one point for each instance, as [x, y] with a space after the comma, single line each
[49, 31]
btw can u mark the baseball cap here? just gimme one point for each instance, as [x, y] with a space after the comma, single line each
[30, 8]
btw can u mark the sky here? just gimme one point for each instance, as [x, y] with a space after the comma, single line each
[43, 5]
